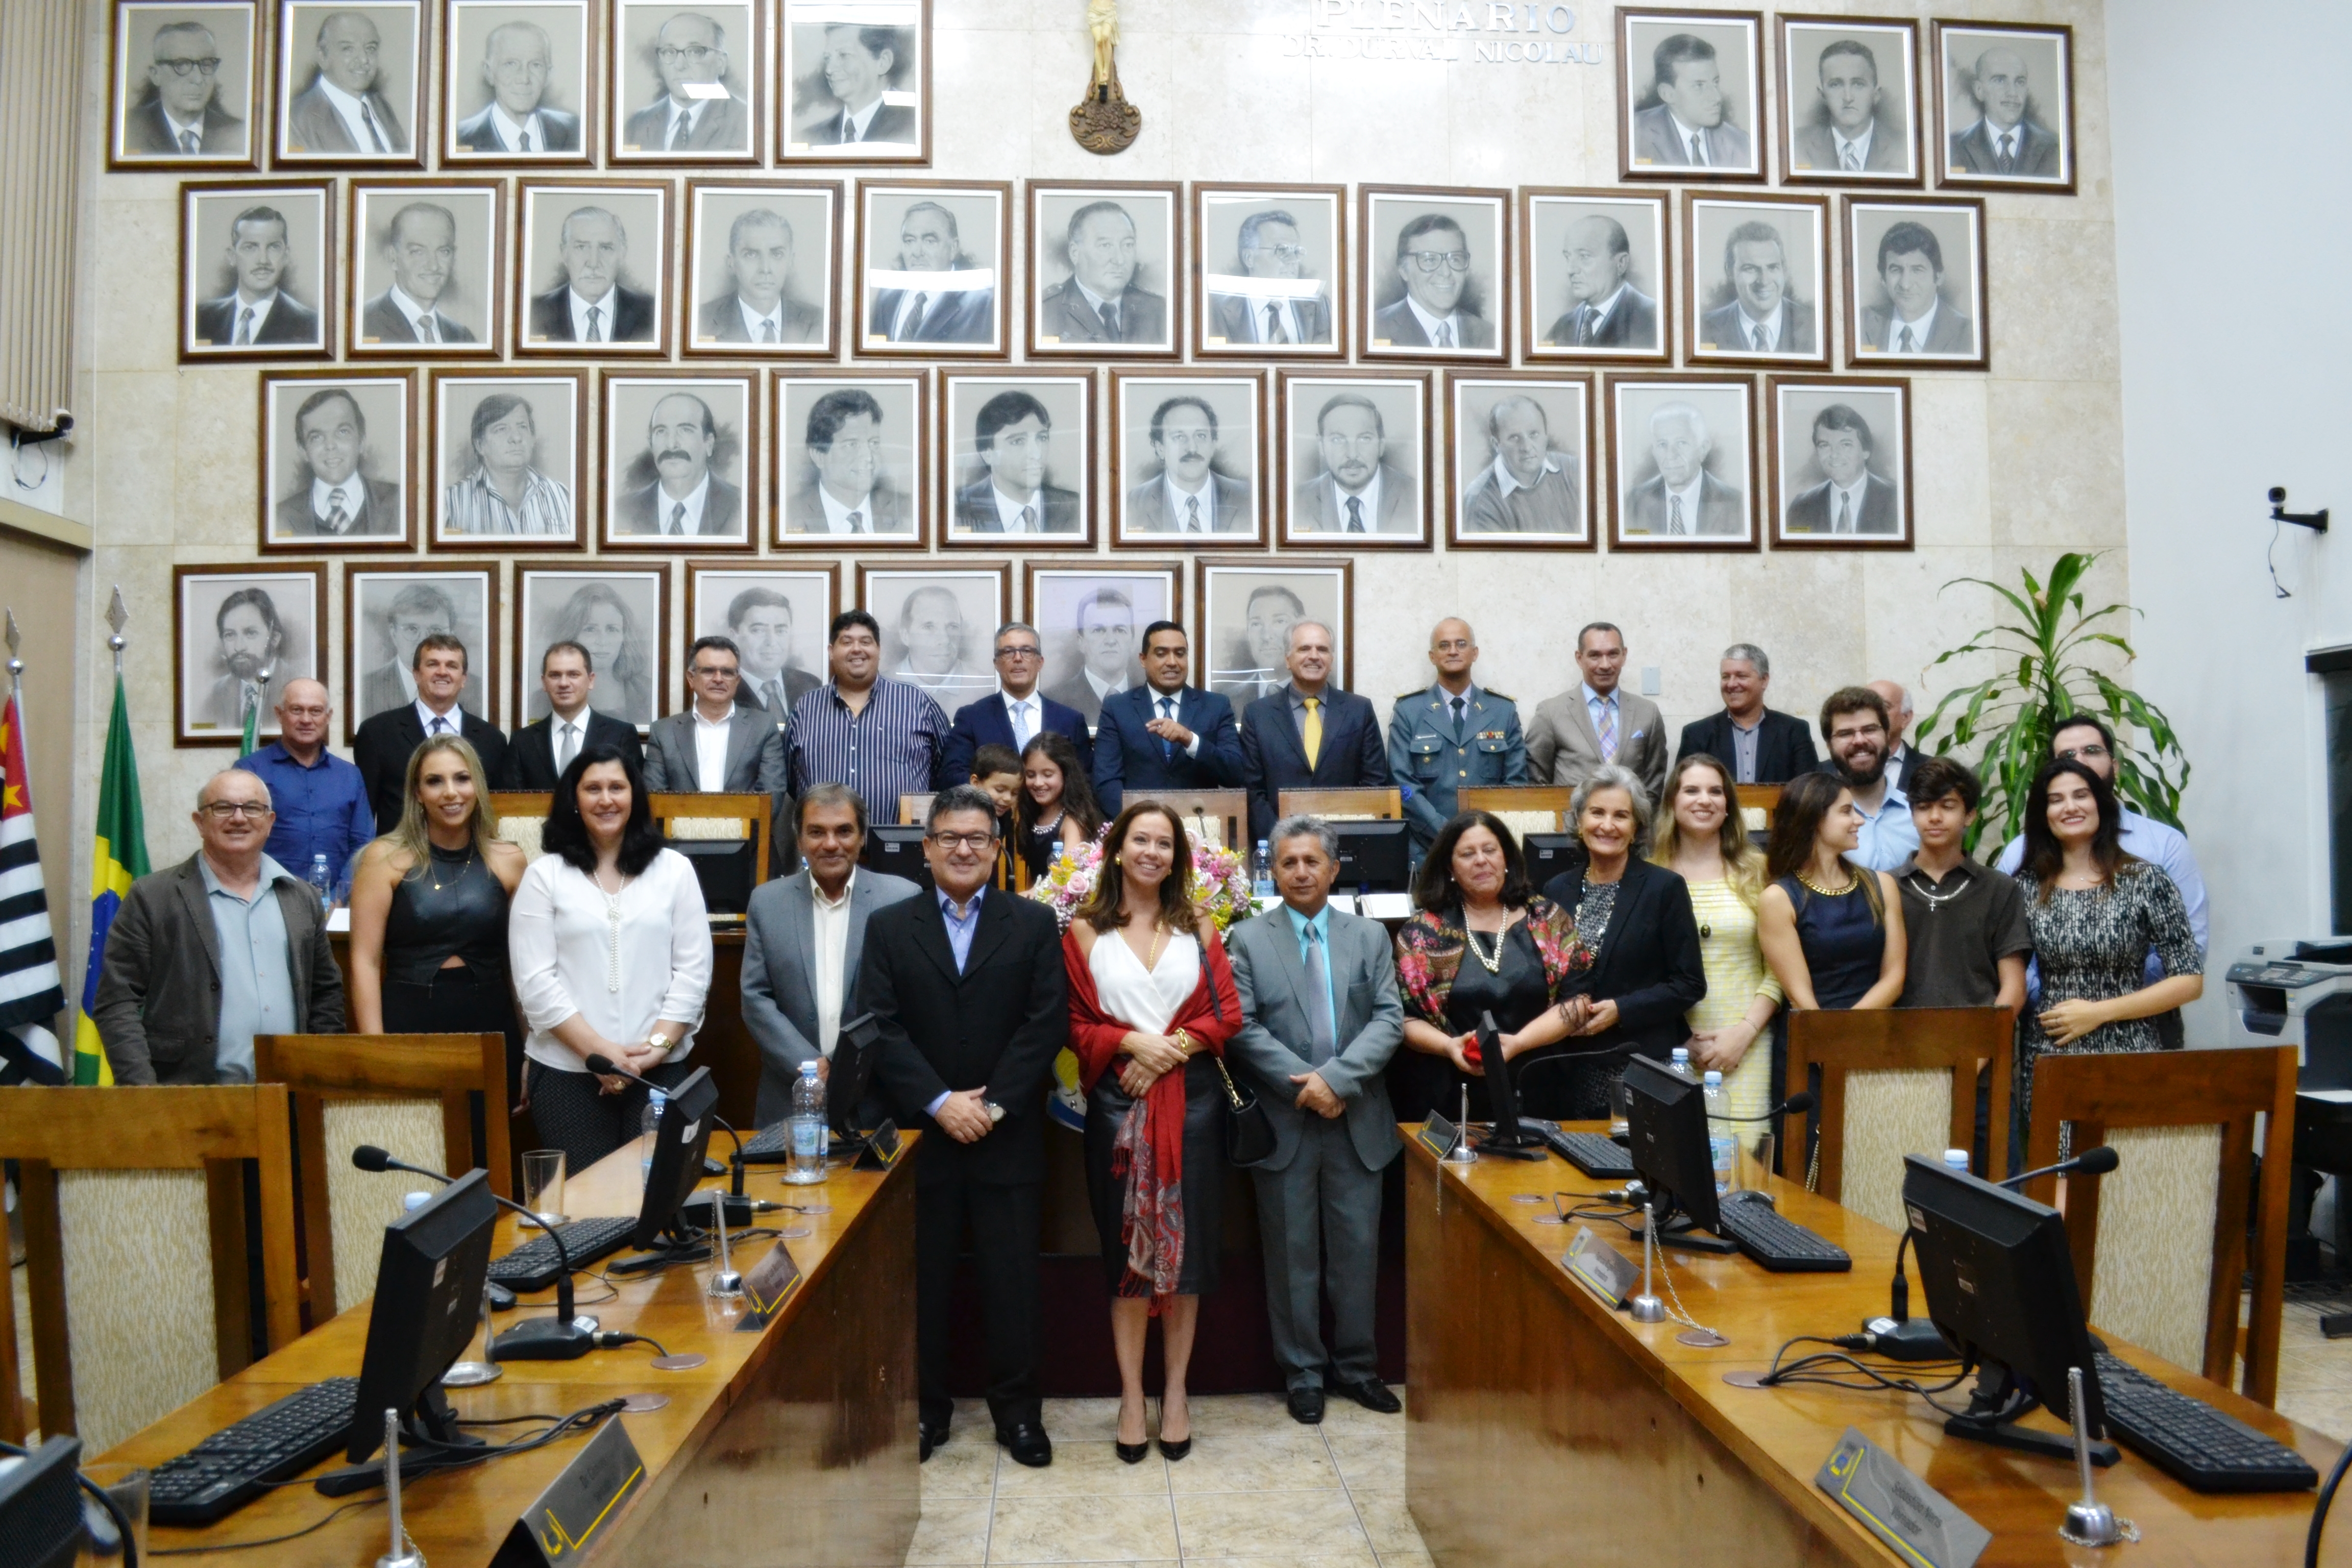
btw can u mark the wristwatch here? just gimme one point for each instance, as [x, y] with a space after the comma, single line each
[657, 1041]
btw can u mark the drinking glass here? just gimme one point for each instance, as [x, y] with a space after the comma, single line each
[1756, 1153]
[102, 1538]
[1621, 1109]
[543, 1184]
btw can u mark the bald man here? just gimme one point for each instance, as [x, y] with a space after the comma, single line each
[1452, 735]
[1530, 487]
[1900, 758]
[321, 800]
[2004, 141]
[344, 111]
[518, 61]
[687, 498]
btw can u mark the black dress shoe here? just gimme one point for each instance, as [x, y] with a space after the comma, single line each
[1171, 1452]
[1372, 1394]
[1307, 1405]
[1131, 1453]
[1027, 1442]
[932, 1437]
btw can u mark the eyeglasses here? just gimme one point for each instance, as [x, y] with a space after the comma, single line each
[704, 672]
[207, 66]
[222, 810]
[2083, 753]
[1288, 252]
[694, 53]
[1019, 651]
[1438, 260]
[963, 840]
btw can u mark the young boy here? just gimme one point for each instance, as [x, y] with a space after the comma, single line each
[997, 770]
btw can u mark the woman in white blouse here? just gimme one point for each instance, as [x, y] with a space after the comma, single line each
[610, 945]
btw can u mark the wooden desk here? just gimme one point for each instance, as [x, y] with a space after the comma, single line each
[1538, 1414]
[796, 1445]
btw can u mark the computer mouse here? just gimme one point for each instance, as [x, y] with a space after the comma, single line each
[501, 1299]
[1751, 1195]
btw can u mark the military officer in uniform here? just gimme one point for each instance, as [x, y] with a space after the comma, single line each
[1452, 735]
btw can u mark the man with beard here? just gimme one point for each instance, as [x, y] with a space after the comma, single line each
[184, 118]
[1107, 641]
[1854, 725]
[1683, 497]
[592, 305]
[845, 493]
[1433, 262]
[1762, 317]
[1013, 435]
[420, 248]
[857, 64]
[929, 244]
[1268, 247]
[1689, 127]
[1188, 495]
[517, 59]
[2003, 141]
[338, 502]
[1850, 138]
[691, 53]
[754, 310]
[686, 498]
[1356, 491]
[343, 109]
[761, 622]
[257, 310]
[252, 641]
[1604, 308]
[1850, 500]
[1099, 303]
[1915, 320]
[1528, 488]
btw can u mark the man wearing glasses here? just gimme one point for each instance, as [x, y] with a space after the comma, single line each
[696, 112]
[1017, 713]
[718, 744]
[1268, 247]
[182, 117]
[1433, 262]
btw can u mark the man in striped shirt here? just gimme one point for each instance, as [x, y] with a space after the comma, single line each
[882, 737]
[506, 493]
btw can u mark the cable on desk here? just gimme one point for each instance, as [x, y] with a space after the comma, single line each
[315, 1525]
[1807, 1369]
[613, 1338]
[2319, 1508]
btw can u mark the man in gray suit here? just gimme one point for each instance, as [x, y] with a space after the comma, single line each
[1682, 497]
[343, 109]
[1099, 303]
[183, 117]
[1762, 317]
[1850, 138]
[686, 497]
[1433, 262]
[2004, 141]
[1188, 495]
[1321, 1017]
[1604, 308]
[803, 936]
[1689, 127]
[421, 249]
[718, 744]
[1358, 492]
[1850, 500]
[691, 53]
[1915, 320]
[846, 492]
[1598, 721]
[340, 502]
[517, 59]
[1268, 246]
[755, 309]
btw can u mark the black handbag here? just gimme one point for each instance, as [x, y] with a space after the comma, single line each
[1249, 1129]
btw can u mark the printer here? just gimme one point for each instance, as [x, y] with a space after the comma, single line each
[2297, 992]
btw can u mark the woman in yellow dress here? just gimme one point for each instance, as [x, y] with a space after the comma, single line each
[1705, 840]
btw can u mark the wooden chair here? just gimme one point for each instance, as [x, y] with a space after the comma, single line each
[412, 1094]
[914, 810]
[1342, 804]
[1221, 812]
[522, 815]
[1756, 803]
[2160, 1245]
[1894, 1082]
[1524, 808]
[694, 814]
[135, 1250]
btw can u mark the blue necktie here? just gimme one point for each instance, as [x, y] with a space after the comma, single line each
[1320, 1022]
[1167, 746]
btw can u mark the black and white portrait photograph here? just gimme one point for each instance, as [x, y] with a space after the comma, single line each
[931, 265]
[1849, 101]
[2005, 107]
[428, 270]
[1355, 459]
[759, 269]
[777, 621]
[338, 465]
[388, 610]
[1518, 462]
[521, 82]
[1090, 622]
[1437, 268]
[1682, 462]
[238, 635]
[681, 461]
[618, 610]
[1841, 463]
[593, 275]
[507, 451]
[1188, 458]
[1018, 454]
[1247, 608]
[1691, 95]
[1104, 264]
[856, 81]
[1758, 268]
[351, 82]
[1597, 274]
[686, 81]
[1270, 270]
[184, 77]
[851, 464]
[1915, 278]
[255, 278]
[938, 623]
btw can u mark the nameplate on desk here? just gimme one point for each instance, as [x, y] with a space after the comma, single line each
[765, 1287]
[578, 1506]
[1438, 1135]
[880, 1150]
[1594, 1263]
[1918, 1522]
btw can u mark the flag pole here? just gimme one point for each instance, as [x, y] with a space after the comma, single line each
[117, 618]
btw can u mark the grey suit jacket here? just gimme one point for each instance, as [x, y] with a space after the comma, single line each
[722, 510]
[780, 974]
[804, 510]
[1064, 314]
[1655, 143]
[379, 516]
[1399, 327]
[1722, 508]
[1315, 508]
[1949, 333]
[1235, 314]
[755, 754]
[718, 322]
[1147, 506]
[2037, 151]
[382, 322]
[1724, 330]
[723, 126]
[1816, 148]
[1563, 748]
[381, 689]
[1809, 511]
[1274, 1042]
[312, 125]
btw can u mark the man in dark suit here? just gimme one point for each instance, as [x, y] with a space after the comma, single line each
[1164, 734]
[1106, 651]
[1689, 127]
[2004, 141]
[759, 620]
[691, 51]
[1604, 308]
[1099, 303]
[930, 242]
[755, 309]
[517, 59]
[686, 498]
[1758, 745]
[845, 491]
[1433, 263]
[384, 742]
[858, 65]
[1356, 491]
[1309, 736]
[1850, 500]
[257, 311]
[538, 754]
[1762, 317]
[1268, 246]
[1017, 713]
[716, 745]
[418, 611]
[1013, 435]
[1188, 495]
[592, 305]
[1683, 497]
[421, 249]
[339, 502]
[183, 118]
[344, 110]
[1916, 319]
[1849, 138]
[968, 994]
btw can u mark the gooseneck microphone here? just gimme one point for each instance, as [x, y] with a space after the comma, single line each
[606, 1065]
[2095, 1162]
[1796, 1104]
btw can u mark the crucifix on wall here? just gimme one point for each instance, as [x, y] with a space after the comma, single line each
[1103, 121]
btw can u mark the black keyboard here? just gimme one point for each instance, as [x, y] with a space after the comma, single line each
[2197, 1446]
[1597, 1156]
[534, 1265]
[235, 1464]
[773, 1145]
[1782, 1245]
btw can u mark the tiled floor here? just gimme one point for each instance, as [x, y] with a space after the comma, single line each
[1257, 1489]
[2315, 1371]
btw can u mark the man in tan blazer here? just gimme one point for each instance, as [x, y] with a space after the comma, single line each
[1576, 732]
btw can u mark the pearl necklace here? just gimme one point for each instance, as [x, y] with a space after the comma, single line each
[611, 931]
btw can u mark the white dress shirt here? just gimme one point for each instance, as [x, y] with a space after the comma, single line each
[566, 736]
[1690, 496]
[325, 497]
[751, 319]
[1026, 715]
[1505, 481]
[1256, 314]
[690, 112]
[455, 717]
[1859, 146]
[710, 747]
[1174, 701]
[1772, 325]
[349, 110]
[1103, 688]
[182, 129]
[1601, 311]
[1919, 329]
[1008, 510]
[238, 305]
[666, 503]
[836, 516]
[1850, 497]
[832, 959]
[570, 959]
[902, 327]
[511, 132]
[1207, 497]
[1684, 135]
[417, 315]
[580, 308]
[860, 121]
[1369, 495]
[1451, 322]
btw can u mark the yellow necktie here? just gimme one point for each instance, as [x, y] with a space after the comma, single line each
[1311, 734]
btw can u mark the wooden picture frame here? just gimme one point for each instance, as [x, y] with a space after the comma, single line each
[1725, 404]
[1715, 304]
[970, 512]
[1821, 58]
[807, 113]
[1238, 655]
[728, 127]
[1952, 338]
[1649, 130]
[1143, 520]
[1388, 326]
[1962, 160]
[969, 329]
[473, 135]
[313, 131]
[1478, 515]
[544, 320]
[1064, 320]
[715, 312]
[213, 217]
[558, 399]
[895, 468]
[1315, 302]
[371, 681]
[630, 405]
[632, 667]
[725, 598]
[1301, 489]
[1795, 408]
[353, 427]
[1078, 629]
[1573, 286]
[141, 132]
[382, 327]
[958, 640]
[221, 618]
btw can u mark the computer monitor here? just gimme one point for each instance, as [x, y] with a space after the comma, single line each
[1505, 1137]
[724, 868]
[1550, 854]
[898, 848]
[854, 1053]
[40, 1505]
[1666, 1134]
[1374, 856]
[676, 1168]
[428, 1301]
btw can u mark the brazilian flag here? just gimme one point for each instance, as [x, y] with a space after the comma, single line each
[121, 859]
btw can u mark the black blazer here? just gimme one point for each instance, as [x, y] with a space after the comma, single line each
[1900, 773]
[530, 751]
[1650, 962]
[1354, 754]
[984, 723]
[999, 1023]
[1128, 755]
[385, 742]
[632, 323]
[1784, 745]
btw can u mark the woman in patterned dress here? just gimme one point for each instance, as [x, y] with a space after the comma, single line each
[1703, 840]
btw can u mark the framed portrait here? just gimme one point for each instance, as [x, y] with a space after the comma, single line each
[2005, 107]
[520, 82]
[1247, 608]
[1017, 459]
[1596, 269]
[509, 453]
[1759, 275]
[350, 83]
[855, 82]
[1270, 271]
[760, 270]
[1691, 103]
[186, 76]
[1849, 101]
[851, 467]
[1437, 270]
[593, 275]
[338, 460]
[388, 610]
[931, 263]
[1841, 463]
[428, 270]
[937, 622]
[681, 460]
[617, 610]
[1090, 621]
[1104, 263]
[1355, 459]
[1915, 283]
[238, 635]
[686, 84]
[256, 280]
[1188, 458]
[1518, 462]
[1681, 462]
[777, 620]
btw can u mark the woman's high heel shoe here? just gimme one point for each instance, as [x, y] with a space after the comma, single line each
[1171, 1452]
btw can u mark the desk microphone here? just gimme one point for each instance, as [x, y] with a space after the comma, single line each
[1796, 1104]
[560, 1338]
[606, 1065]
[2095, 1162]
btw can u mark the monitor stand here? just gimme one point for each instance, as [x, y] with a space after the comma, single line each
[429, 1438]
[1680, 1232]
[1994, 1409]
[678, 1242]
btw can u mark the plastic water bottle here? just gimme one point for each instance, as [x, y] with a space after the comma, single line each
[411, 1201]
[807, 1165]
[649, 1125]
[1261, 872]
[322, 882]
[1956, 1161]
[1722, 1141]
[1682, 1060]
